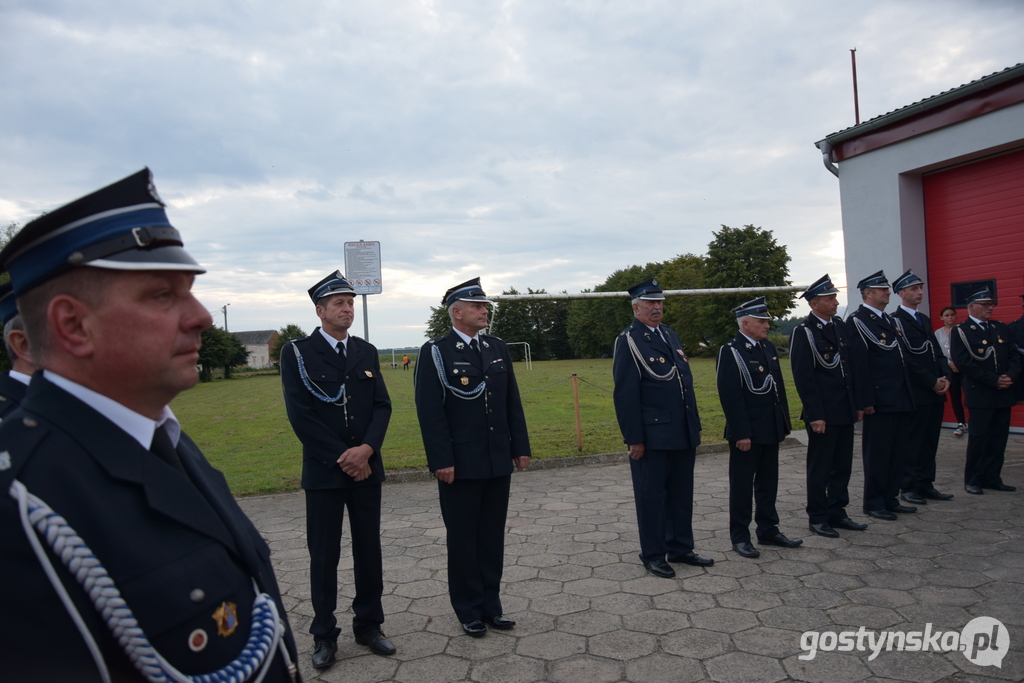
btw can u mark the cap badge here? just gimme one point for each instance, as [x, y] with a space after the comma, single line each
[226, 617]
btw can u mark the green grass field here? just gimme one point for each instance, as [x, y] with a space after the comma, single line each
[242, 428]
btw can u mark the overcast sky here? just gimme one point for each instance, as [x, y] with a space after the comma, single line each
[535, 144]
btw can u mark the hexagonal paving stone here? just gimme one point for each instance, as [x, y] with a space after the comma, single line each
[508, 669]
[649, 585]
[902, 581]
[770, 642]
[662, 667]
[363, 669]
[867, 616]
[439, 668]
[791, 618]
[560, 604]
[770, 583]
[955, 577]
[753, 601]
[790, 567]
[534, 589]
[494, 644]
[684, 601]
[656, 621]
[724, 620]
[589, 623]
[828, 667]
[621, 603]
[696, 643]
[742, 667]
[880, 597]
[551, 646]
[591, 587]
[585, 668]
[921, 667]
[946, 595]
[710, 584]
[815, 598]
[622, 645]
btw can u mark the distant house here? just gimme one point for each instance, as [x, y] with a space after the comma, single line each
[258, 343]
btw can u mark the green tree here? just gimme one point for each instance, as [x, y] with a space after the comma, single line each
[220, 349]
[538, 322]
[741, 257]
[685, 271]
[285, 335]
[438, 324]
[591, 324]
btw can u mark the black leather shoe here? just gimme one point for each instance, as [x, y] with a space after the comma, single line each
[976, 490]
[903, 508]
[377, 642]
[849, 524]
[323, 653]
[913, 498]
[932, 494]
[881, 514]
[660, 568]
[780, 540]
[1001, 487]
[500, 622]
[746, 550]
[476, 629]
[692, 558]
[824, 530]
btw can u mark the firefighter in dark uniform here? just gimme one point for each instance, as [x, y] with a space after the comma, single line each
[884, 391]
[14, 382]
[474, 432]
[819, 355]
[657, 414]
[984, 351]
[339, 408]
[753, 397]
[125, 557]
[918, 481]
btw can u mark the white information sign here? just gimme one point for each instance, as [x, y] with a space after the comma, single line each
[362, 267]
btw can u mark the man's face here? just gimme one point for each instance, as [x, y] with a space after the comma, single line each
[825, 306]
[981, 310]
[877, 297]
[146, 337]
[472, 316]
[755, 328]
[649, 311]
[336, 313]
[912, 295]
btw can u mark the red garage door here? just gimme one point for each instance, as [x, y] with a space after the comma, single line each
[974, 230]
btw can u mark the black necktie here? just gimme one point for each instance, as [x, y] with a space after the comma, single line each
[917, 316]
[341, 351]
[164, 449]
[476, 347]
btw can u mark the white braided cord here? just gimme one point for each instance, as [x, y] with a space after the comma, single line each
[464, 394]
[989, 352]
[828, 365]
[339, 399]
[868, 336]
[916, 350]
[265, 633]
[769, 382]
[668, 376]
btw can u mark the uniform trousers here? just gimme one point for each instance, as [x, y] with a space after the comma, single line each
[956, 397]
[885, 441]
[325, 513]
[474, 513]
[663, 492]
[919, 470]
[829, 463]
[987, 434]
[753, 476]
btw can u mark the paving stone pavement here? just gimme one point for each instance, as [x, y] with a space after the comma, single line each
[587, 612]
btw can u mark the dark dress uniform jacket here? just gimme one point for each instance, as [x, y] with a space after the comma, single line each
[980, 377]
[883, 376]
[826, 392]
[12, 393]
[652, 411]
[762, 418]
[477, 437]
[925, 354]
[176, 547]
[323, 428]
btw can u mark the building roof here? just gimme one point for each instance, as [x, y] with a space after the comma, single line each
[255, 337]
[967, 101]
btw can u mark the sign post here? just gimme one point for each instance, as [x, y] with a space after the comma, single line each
[362, 270]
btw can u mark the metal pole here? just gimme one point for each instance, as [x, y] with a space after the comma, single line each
[366, 321]
[667, 292]
[576, 403]
[856, 100]
[225, 309]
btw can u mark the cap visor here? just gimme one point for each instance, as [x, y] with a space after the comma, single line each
[161, 258]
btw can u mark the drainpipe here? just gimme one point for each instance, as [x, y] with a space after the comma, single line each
[826, 158]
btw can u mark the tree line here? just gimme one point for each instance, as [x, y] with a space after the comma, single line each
[586, 328]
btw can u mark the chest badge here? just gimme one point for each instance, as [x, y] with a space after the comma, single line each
[226, 618]
[984, 341]
[681, 354]
[369, 373]
[760, 368]
[465, 381]
[661, 359]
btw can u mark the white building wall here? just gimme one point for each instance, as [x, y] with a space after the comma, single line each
[259, 355]
[881, 192]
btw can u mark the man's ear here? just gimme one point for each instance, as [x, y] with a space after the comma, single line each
[19, 343]
[69, 325]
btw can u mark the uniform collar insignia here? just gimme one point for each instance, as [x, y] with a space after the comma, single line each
[484, 342]
[819, 326]
[460, 345]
